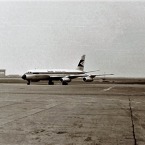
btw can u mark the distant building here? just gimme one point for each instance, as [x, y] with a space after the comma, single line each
[2, 72]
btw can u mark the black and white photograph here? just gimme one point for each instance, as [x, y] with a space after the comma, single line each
[72, 72]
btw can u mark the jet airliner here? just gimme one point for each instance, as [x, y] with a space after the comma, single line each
[63, 75]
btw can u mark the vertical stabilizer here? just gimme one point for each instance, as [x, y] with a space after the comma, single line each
[81, 63]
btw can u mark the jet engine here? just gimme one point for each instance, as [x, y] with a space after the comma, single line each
[88, 79]
[67, 80]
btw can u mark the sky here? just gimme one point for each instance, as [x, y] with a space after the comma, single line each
[54, 34]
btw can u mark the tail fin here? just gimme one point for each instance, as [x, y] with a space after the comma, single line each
[81, 63]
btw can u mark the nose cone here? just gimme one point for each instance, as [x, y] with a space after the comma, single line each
[24, 77]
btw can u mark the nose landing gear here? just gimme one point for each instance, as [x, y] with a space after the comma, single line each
[28, 83]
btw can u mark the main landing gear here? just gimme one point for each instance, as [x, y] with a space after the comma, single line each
[64, 83]
[50, 82]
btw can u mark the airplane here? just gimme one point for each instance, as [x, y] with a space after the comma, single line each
[63, 75]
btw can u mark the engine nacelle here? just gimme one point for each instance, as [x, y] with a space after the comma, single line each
[67, 80]
[88, 79]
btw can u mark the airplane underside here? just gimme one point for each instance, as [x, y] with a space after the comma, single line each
[50, 82]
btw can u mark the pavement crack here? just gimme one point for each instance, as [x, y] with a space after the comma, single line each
[132, 122]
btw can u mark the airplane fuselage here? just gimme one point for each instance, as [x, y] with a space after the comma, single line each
[54, 74]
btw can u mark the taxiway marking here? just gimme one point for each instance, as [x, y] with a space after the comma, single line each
[108, 89]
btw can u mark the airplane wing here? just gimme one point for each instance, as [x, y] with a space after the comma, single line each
[55, 77]
[105, 75]
[78, 76]
[91, 71]
[93, 76]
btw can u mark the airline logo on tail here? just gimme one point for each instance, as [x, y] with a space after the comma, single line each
[81, 63]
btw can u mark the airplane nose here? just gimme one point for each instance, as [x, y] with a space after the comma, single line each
[24, 77]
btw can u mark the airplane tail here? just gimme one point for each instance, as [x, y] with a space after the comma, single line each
[81, 63]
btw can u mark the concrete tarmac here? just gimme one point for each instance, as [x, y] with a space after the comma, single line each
[77, 114]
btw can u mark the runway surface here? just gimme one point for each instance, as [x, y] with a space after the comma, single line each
[77, 114]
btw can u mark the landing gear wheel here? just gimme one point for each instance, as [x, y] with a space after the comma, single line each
[28, 83]
[64, 83]
[50, 83]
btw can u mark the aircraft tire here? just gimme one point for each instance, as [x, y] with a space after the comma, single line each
[50, 83]
[28, 83]
[64, 83]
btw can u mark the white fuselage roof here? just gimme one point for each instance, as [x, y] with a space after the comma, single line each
[54, 71]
